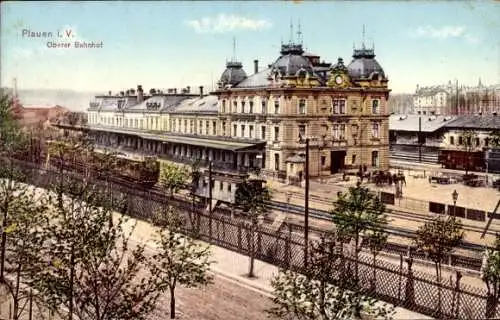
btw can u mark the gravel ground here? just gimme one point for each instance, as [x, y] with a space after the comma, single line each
[222, 300]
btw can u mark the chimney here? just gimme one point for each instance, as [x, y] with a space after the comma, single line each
[201, 91]
[256, 66]
[140, 95]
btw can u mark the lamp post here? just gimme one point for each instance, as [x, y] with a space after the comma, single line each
[454, 196]
[306, 206]
[210, 198]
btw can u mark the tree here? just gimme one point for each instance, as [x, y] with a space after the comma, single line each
[173, 177]
[355, 214]
[437, 238]
[13, 199]
[376, 239]
[24, 240]
[251, 198]
[180, 259]
[320, 293]
[468, 139]
[490, 273]
[152, 91]
[89, 266]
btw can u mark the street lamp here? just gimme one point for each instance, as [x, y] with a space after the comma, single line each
[306, 202]
[454, 196]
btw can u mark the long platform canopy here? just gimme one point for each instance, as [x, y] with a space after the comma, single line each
[223, 144]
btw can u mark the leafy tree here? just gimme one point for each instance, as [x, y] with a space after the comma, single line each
[376, 239]
[89, 266]
[437, 238]
[152, 91]
[24, 240]
[251, 197]
[12, 144]
[12, 139]
[179, 259]
[173, 177]
[356, 214]
[490, 273]
[321, 293]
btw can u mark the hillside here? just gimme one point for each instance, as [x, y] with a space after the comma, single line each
[70, 99]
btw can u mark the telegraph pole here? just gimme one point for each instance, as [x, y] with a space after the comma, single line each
[210, 198]
[420, 139]
[306, 206]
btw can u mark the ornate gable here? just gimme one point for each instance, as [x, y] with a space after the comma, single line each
[338, 76]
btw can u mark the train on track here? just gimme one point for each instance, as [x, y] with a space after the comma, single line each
[143, 172]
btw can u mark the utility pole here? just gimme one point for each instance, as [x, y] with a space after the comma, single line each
[306, 206]
[420, 139]
[210, 198]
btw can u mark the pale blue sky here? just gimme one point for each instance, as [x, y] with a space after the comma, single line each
[175, 44]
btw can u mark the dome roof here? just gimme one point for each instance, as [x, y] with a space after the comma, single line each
[364, 65]
[233, 74]
[292, 60]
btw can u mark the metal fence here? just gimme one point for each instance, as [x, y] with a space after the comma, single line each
[398, 284]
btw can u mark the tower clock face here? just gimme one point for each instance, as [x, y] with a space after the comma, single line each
[339, 79]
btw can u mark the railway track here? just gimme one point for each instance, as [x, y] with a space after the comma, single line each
[392, 230]
[413, 157]
[401, 214]
[157, 194]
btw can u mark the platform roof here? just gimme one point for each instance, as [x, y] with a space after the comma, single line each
[230, 144]
[410, 122]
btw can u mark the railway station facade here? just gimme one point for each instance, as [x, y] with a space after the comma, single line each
[258, 123]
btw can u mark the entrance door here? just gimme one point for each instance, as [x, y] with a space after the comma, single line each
[337, 159]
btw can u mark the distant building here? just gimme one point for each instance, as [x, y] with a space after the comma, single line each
[432, 100]
[405, 143]
[450, 140]
[454, 99]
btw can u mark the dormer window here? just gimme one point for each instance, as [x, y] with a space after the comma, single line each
[152, 105]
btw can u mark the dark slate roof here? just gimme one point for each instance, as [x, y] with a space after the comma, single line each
[111, 103]
[488, 122]
[233, 74]
[206, 104]
[410, 122]
[364, 65]
[290, 64]
[166, 103]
